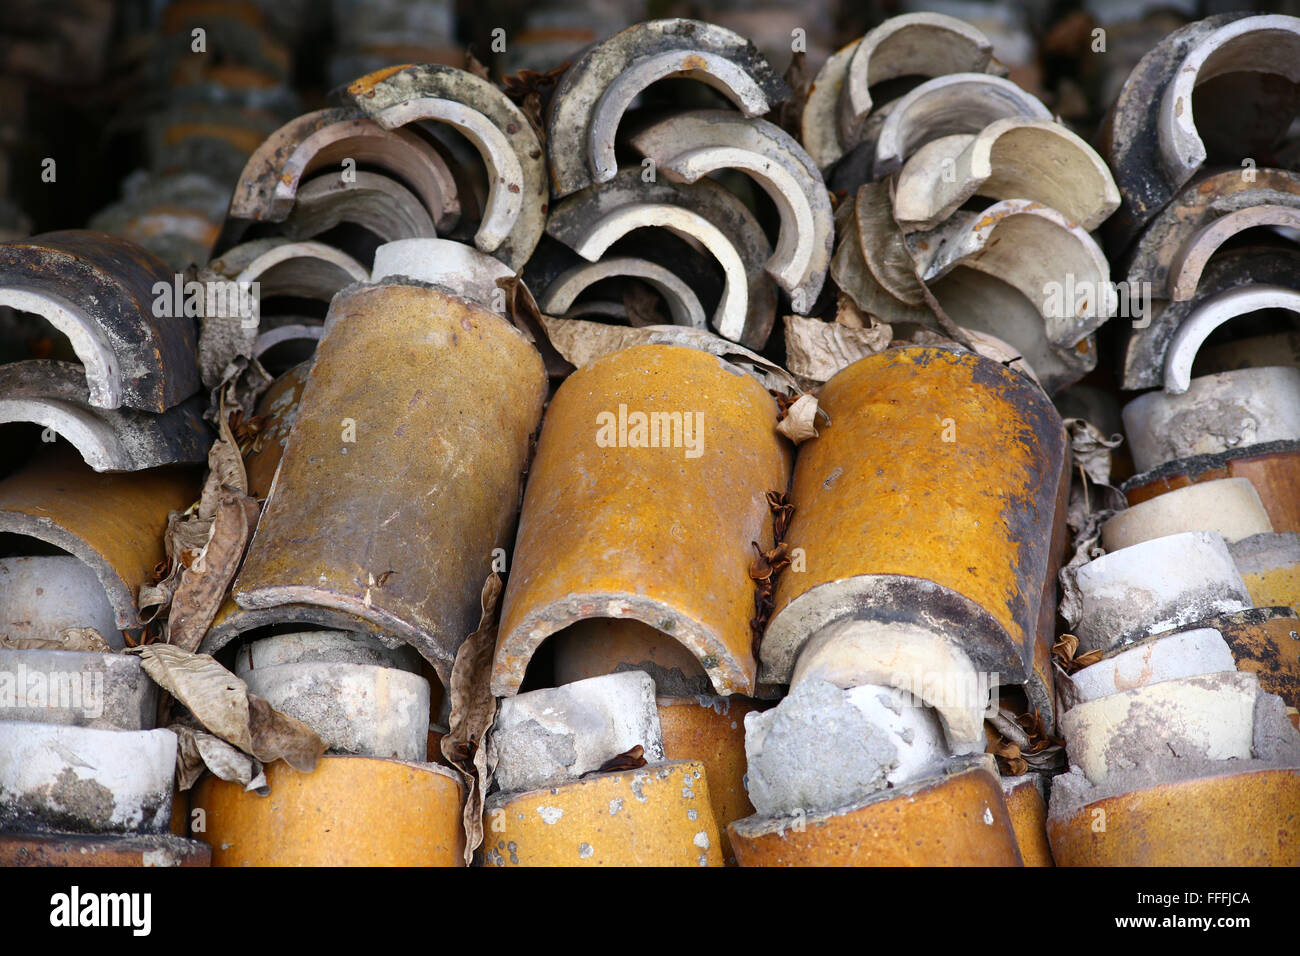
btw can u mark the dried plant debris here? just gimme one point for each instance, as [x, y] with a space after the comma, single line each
[799, 421]
[1091, 450]
[198, 750]
[473, 709]
[204, 580]
[778, 502]
[633, 759]
[221, 705]
[205, 546]
[1092, 501]
[816, 350]
[1066, 654]
[1024, 744]
[525, 315]
[476, 66]
[242, 385]
[68, 639]
[249, 431]
[767, 565]
[530, 91]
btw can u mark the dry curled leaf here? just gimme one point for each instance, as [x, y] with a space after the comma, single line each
[1066, 646]
[473, 709]
[1091, 450]
[68, 639]
[800, 421]
[204, 580]
[248, 431]
[765, 568]
[633, 759]
[1010, 763]
[220, 702]
[243, 383]
[474, 65]
[204, 546]
[778, 502]
[817, 350]
[518, 86]
[278, 736]
[525, 315]
[84, 639]
[1024, 744]
[768, 563]
[216, 697]
[849, 315]
[1065, 650]
[530, 90]
[199, 750]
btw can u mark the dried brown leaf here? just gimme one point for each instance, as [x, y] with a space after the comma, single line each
[185, 532]
[243, 383]
[475, 66]
[1065, 650]
[191, 533]
[633, 759]
[1010, 763]
[68, 639]
[800, 421]
[473, 709]
[778, 502]
[154, 599]
[817, 350]
[189, 762]
[1091, 450]
[1039, 738]
[278, 736]
[199, 750]
[1033, 747]
[225, 470]
[527, 317]
[220, 703]
[768, 563]
[1004, 748]
[849, 315]
[203, 582]
[248, 431]
[765, 568]
[529, 90]
[1065, 647]
[519, 85]
[216, 697]
[84, 639]
[1088, 659]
